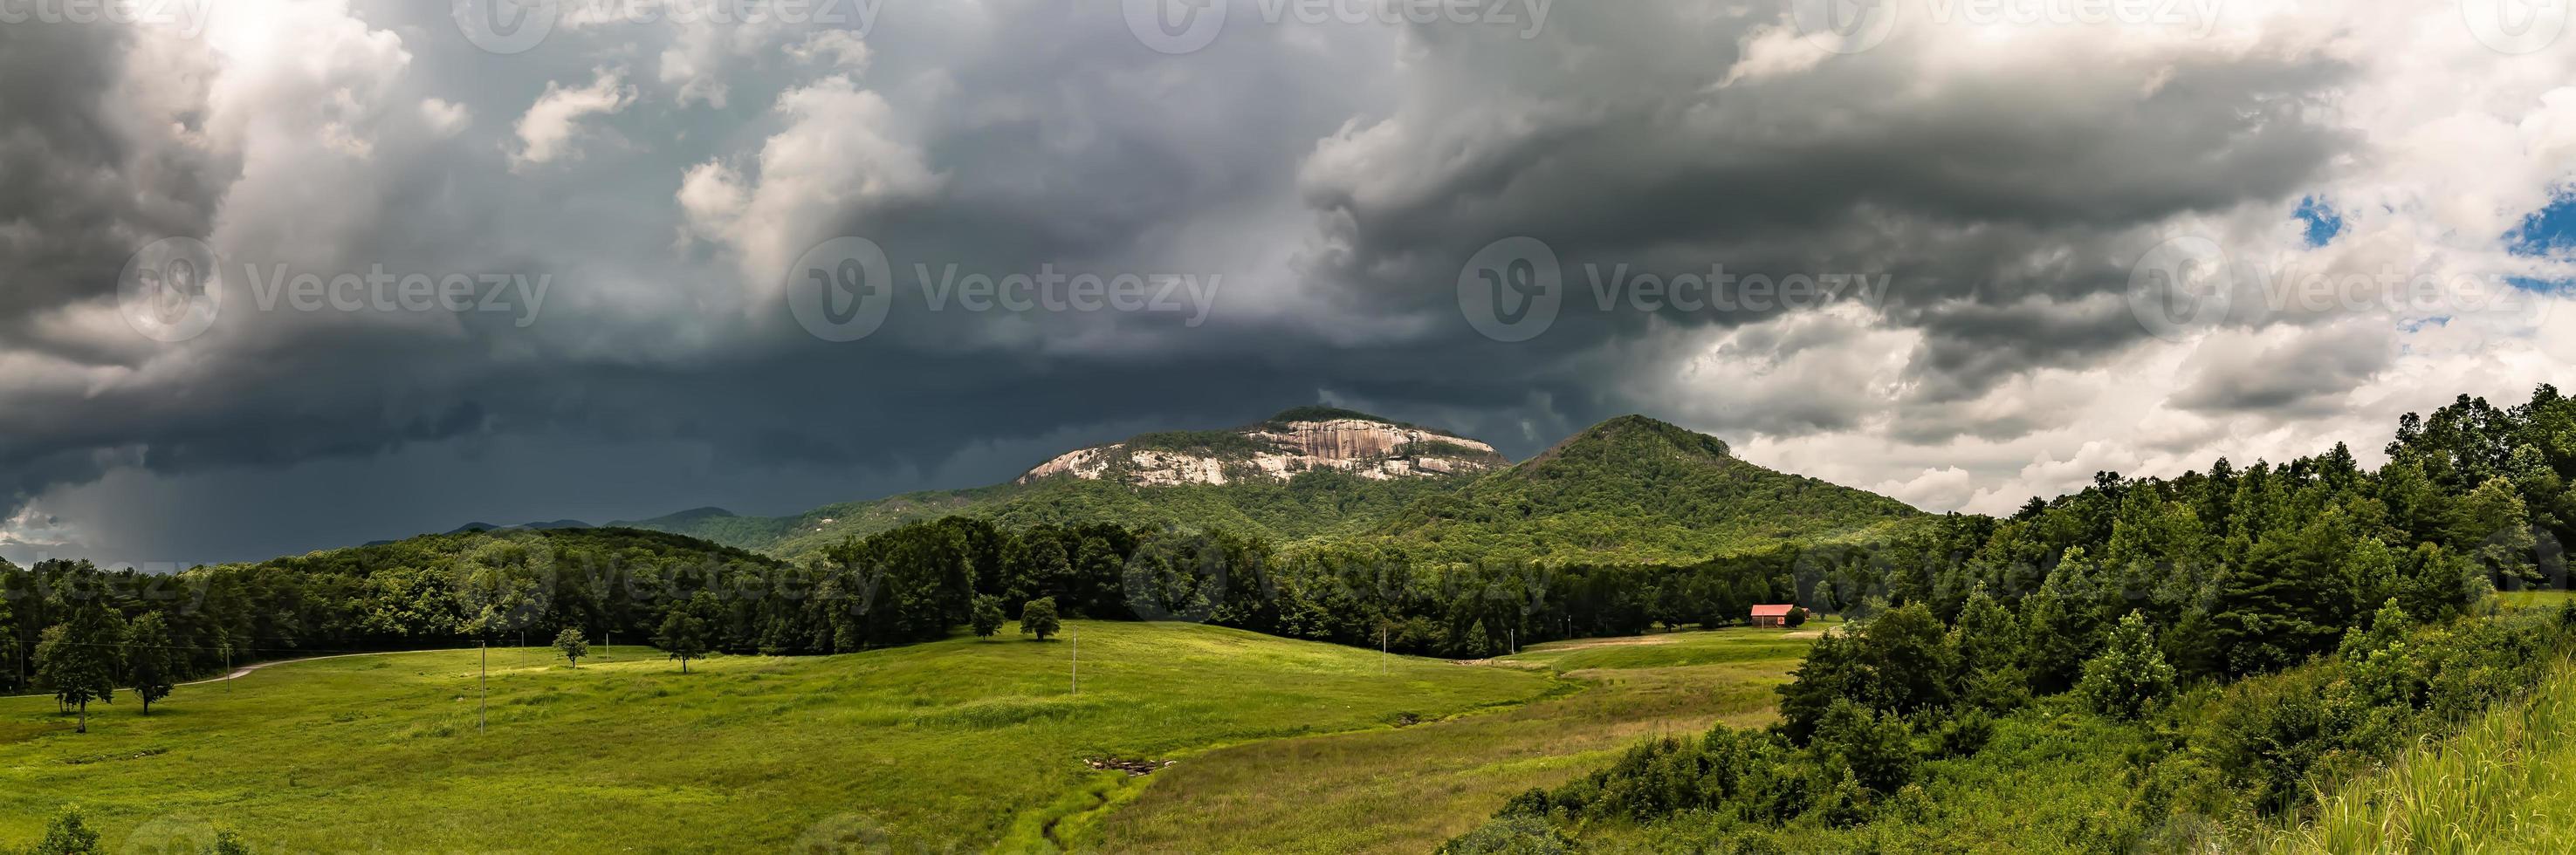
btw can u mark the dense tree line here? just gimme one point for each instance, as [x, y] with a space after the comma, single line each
[84, 633]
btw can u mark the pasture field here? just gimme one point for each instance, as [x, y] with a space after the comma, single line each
[1410, 789]
[2534, 599]
[960, 745]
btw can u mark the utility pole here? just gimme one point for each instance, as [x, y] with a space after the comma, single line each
[483, 689]
[1076, 635]
[228, 668]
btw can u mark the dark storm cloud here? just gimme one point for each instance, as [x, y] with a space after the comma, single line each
[90, 169]
[2002, 204]
[1337, 177]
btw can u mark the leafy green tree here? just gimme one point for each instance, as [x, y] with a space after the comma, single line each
[1910, 659]
[1038, 618]
[2435, 583]
[1876, 746]
[2290, 601]
[2192, 645]
[572, 644]
[988, 616]
[2494, 528]
[152, 663]
[1834, 670]
[1797, 617]
[2060, 627]
[2131, 676]
[11, 667]
[684, 632]
[67, 834]
[78, 659]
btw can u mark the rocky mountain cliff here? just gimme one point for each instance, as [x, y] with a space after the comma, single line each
[1293, 442]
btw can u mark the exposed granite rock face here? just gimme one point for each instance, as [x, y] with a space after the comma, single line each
[1369, 448]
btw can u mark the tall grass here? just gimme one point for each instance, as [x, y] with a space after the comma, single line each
[2506, 783]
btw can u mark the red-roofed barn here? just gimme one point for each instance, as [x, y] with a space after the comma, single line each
[1772, 615]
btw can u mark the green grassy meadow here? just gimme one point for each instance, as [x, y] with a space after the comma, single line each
[2534, 599]
[1409, 789]
[961, 745]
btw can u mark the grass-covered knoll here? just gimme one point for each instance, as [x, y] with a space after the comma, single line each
[951, 746]
[1639, 491]
[1408, 789]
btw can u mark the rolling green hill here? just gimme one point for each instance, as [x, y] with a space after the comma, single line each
[1632, 489]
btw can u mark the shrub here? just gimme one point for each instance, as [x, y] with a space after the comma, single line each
[1512, 834]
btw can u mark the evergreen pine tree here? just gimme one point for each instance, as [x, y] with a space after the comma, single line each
[2131, 676]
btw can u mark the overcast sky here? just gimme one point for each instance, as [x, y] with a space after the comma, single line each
[1965, 223]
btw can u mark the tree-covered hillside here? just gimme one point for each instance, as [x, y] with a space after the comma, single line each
[1639, 491]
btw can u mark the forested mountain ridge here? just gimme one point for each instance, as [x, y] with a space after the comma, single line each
[1629, 490]
[1639, 491]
